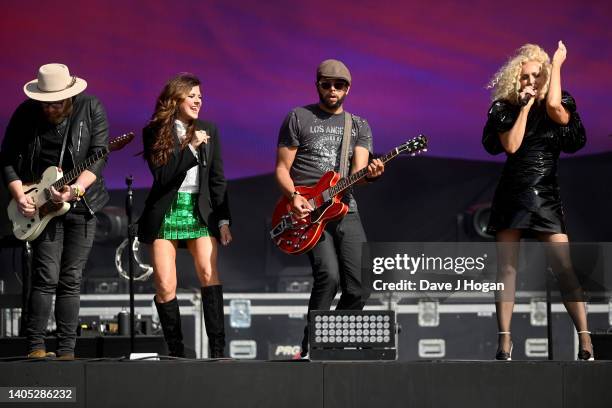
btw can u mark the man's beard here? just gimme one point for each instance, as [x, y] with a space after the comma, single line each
[57, 117]
[330, 105]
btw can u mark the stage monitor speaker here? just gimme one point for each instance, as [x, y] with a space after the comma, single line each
[352, 335]
[472, 223]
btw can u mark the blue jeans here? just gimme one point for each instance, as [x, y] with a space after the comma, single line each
[59, 256]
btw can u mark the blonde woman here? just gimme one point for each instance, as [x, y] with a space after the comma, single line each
[532, 120]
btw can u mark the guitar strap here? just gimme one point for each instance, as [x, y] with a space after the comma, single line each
[65, 137]
[346, 143]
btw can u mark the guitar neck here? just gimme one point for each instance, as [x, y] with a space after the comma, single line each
[346, 182]
[74, 173]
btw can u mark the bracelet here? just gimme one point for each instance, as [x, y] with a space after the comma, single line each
[77, 191]
[295, 193]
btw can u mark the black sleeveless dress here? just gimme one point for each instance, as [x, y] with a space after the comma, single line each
[528, 195]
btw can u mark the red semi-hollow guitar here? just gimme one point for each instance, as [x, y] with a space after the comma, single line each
[294, 235]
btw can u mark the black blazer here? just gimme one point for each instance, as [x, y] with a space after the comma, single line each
[167, 179]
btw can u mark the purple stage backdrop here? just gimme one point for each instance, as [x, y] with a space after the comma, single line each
[418, 67]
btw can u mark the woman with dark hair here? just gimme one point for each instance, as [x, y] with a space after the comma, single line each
[532, 120]
[186, 205]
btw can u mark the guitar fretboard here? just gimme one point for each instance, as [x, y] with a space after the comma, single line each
[74, 173]
[347, 182]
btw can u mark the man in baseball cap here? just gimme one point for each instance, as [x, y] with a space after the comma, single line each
[309, 145]
[53, 131]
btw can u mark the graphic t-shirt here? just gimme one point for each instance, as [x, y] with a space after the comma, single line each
[318, 137]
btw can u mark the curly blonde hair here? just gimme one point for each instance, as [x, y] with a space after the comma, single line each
[505, 83]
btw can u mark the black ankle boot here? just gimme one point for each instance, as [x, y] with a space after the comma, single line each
[170, 319]
[212, 304]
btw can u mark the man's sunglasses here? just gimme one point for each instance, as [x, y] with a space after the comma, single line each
[54, 104]
[339, 85]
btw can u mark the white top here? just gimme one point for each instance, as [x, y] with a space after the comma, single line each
[191, 183]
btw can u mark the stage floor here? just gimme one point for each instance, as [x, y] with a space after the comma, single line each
[191, 383]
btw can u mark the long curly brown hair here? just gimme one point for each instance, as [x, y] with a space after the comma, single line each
[166, 112]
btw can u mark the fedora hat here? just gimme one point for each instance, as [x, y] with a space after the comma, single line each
[54, 83]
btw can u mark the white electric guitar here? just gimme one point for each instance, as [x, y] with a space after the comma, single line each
[29, 228]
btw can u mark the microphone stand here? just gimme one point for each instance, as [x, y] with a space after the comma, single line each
[129, 202]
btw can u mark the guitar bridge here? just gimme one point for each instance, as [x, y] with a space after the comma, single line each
[282, 226]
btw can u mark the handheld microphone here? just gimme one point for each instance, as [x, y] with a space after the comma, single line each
[525, 99]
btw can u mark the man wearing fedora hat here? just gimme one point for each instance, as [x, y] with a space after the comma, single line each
[309, 145]
[59, 126]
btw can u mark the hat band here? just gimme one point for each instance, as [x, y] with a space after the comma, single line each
[70, 85]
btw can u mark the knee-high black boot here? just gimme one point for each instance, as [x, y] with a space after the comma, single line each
[212, 304]
[170, 319]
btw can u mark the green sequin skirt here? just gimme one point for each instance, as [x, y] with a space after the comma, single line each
[182, 220]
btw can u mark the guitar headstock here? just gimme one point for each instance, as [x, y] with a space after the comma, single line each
[119, 143]
[413, 146]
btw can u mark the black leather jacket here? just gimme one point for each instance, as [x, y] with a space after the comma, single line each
[88, 132]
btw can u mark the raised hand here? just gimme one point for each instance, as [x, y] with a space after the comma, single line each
[560, 55]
